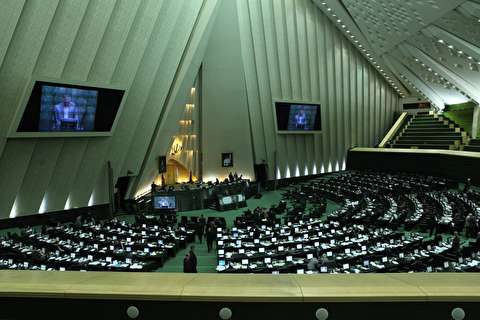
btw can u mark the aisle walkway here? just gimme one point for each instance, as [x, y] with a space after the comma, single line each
[208, 261]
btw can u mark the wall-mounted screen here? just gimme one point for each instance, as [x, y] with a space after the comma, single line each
[164, 202]
[55, 107]
[298, 117]
[227, 159]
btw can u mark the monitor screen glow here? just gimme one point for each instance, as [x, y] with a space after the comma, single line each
[298, 117]
[59, 107]
[165, 202]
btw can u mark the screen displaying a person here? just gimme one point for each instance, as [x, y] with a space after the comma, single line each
[66, 115]
[67, 109]
[227, 159]
[163, 202]
[300, 119]
[297, 117]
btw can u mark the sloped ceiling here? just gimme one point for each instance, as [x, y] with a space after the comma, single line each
[424, 48]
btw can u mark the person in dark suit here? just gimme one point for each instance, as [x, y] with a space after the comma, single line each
[193, 259]
[211, 232]
[467, 185]
[187, 264]
[432, 224]
[203, 221]
[470, 226]
[200, 230]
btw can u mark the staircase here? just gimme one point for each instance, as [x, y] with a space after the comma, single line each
[473, 145]
[430, 131]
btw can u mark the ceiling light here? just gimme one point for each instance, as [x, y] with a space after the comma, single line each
[441, 41]
[450, 46]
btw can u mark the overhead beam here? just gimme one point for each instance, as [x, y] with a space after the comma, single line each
[463, 86]
[418, 84]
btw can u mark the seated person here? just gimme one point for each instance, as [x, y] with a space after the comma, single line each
[313, 264]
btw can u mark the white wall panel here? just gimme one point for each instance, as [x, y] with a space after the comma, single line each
[225, 119]
[40, 168]
[136, 45]
[8, 20]
[289, 51]
[175, 105]
[32, 27]
[62, 179]
[13, 166]
[293, 52]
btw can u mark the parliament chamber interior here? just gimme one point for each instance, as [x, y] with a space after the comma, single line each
[239, 159]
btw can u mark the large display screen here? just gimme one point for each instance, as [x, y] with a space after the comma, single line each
[56, 107]
[297, 117]
[164, 202]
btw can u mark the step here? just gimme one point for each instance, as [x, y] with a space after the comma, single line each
[433, 128]
[426, 119]
[421, 146]
[432, 137]
[426, 122]
[424, 116]
[474, 142]
[432, 133]
[444, 142]
[429, 125]
[471, 148]
[447, 130]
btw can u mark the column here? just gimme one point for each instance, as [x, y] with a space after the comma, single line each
[476, 118]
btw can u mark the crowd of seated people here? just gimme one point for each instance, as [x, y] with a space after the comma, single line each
[386, 223]
[90, 246]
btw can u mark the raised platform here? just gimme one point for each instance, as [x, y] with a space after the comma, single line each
[197, 197]
[458, 165]
[186, 296]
